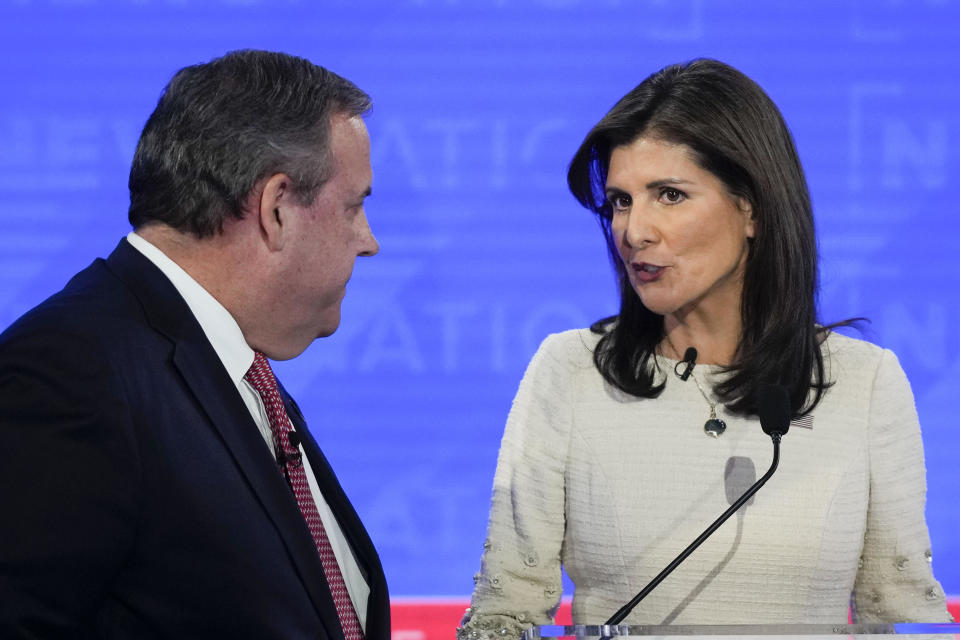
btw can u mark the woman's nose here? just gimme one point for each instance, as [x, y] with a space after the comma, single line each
[639, 231]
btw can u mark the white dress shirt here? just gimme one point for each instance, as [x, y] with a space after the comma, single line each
[227, 340]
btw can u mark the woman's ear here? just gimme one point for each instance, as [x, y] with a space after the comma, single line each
[750, 228]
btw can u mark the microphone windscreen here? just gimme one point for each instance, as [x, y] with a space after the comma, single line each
[773, 408]
[690, 355]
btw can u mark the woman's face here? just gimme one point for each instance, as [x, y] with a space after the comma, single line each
[681, 235]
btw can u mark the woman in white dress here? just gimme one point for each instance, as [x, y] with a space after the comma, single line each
[613, 460]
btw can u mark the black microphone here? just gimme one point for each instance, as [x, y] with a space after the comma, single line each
[293, 459]
[773, 409]
[294, 438]
[689, 359]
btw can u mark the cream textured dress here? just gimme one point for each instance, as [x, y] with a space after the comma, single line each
[613, 487]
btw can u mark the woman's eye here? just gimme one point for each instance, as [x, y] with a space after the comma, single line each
[619, 202]
[672, 196]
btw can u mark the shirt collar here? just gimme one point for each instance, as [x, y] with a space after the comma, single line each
[218, 325]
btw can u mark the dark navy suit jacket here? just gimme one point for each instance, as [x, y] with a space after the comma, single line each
[137, 497]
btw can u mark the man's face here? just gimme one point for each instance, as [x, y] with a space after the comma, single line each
[328, 236]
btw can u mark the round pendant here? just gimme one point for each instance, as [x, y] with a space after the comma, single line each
[714, 427]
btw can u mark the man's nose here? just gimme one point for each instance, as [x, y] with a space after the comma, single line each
[368, 242]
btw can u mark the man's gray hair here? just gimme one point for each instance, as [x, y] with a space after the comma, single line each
[221, 127]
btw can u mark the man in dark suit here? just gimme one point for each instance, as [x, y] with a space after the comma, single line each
[155, 481]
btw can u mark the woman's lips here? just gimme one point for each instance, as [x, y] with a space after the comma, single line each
[646, 272]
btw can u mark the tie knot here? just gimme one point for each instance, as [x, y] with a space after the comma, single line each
[260, 375]
[261, 378]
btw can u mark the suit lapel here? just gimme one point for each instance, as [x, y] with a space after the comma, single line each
[207, 379]
[378, 606]
[332, 491]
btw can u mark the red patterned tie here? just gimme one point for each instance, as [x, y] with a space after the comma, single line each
[261, 377]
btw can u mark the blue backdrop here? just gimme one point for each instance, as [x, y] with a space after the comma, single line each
[478, 107]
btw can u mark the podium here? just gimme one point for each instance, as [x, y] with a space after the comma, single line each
[748, 631]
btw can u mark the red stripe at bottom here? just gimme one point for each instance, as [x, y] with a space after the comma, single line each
[437, 619]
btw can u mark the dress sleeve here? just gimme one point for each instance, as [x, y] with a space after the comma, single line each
[895, 581]
[519, 583]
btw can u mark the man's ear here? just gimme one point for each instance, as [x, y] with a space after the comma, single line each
[275, 199]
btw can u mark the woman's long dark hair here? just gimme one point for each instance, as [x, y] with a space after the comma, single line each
[737, 134]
